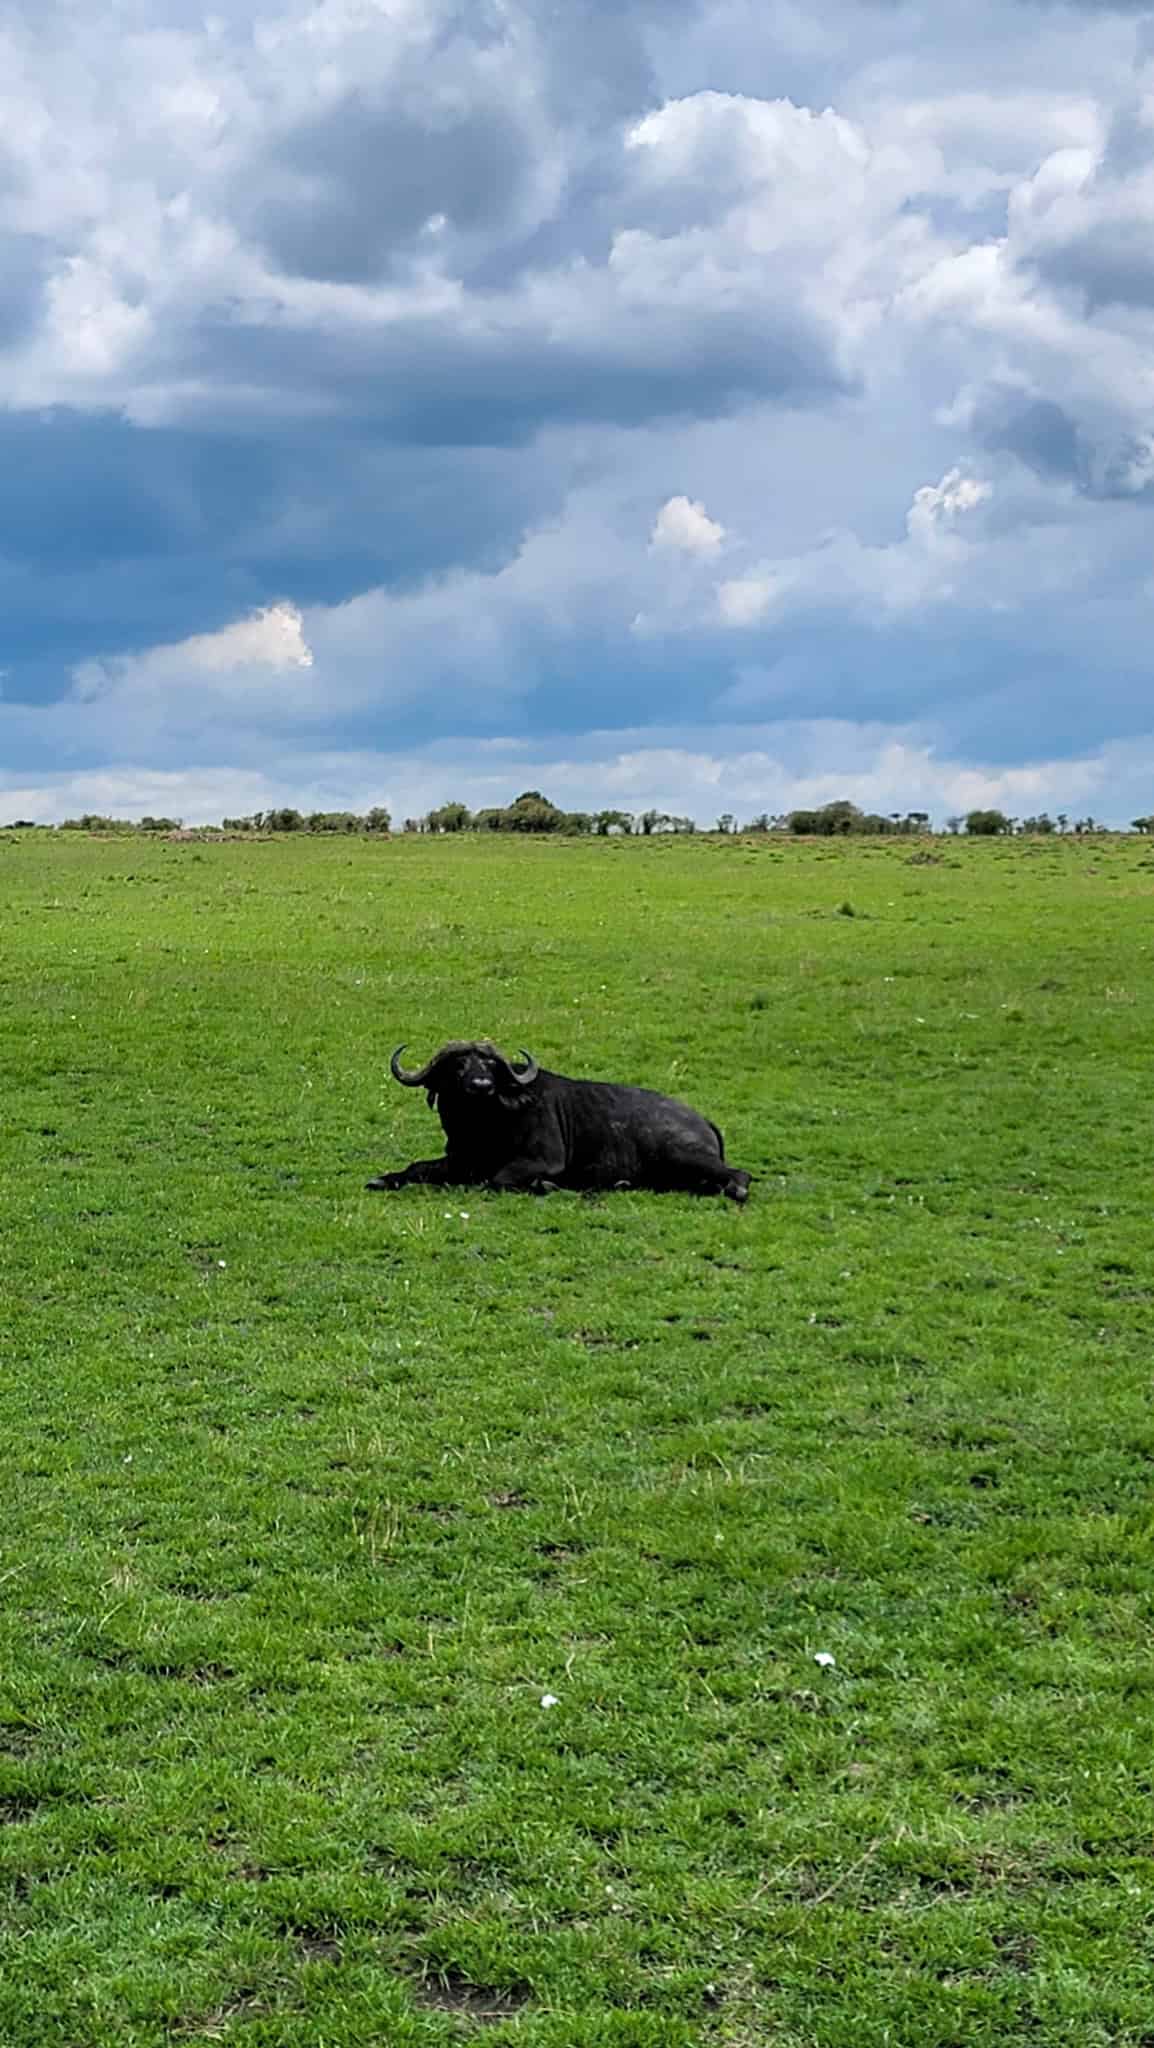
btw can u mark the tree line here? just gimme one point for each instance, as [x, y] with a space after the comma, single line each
[531, 812]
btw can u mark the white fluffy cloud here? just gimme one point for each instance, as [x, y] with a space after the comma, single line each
[273, 639]
[922, 569]
[685, 525]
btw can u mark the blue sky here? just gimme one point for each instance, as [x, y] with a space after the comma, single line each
[713, 404]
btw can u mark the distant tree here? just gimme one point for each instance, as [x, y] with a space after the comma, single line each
[239, 824]
[683, 825]
[92, 821]
[1083, 825]
[649, 822]
[917, 821]
[1041, 825]
[285, 819]
[954, 825]
[577, 823]
[1063, 821]
[378, 819]
[762, 823]
[840, 817]
[334, 821]
[489, 821]
[450, 817]
[160, 824]
[1144, 824]
[727, 822]
[605, 822]
[832, 819]
[987, 824]
[532, 812]
[414, 825]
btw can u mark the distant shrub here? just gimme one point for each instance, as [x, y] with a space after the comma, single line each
[450, 817]
[842, 818]
[334, 821]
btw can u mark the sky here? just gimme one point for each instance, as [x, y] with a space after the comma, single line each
[708, 405]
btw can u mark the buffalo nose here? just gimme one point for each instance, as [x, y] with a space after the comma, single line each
[481, 1084]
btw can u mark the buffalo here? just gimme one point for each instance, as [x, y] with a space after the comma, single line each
[517, 1126]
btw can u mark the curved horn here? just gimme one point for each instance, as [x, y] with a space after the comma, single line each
[522, 1076]
[414, 1079]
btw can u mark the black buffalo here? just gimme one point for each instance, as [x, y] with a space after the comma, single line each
[519, 1127]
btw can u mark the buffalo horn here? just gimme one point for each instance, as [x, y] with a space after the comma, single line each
[414, 1079]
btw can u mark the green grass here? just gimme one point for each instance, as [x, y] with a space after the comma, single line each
[311, 1495]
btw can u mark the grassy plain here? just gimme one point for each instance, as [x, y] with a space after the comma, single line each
[311, 1495]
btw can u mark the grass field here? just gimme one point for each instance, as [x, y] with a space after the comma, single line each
[311, 1496]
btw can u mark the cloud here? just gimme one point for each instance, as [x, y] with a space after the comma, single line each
[271, 639]
[913, 573]
[745, 600]
[936, 515]
[685, 525]
[688, 772]
[441, 329]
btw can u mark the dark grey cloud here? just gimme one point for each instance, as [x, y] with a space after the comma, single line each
[1109, 261]
[24, 261]
[496, 381]
[115, 537]
[1037, 431]
[349, 193]
[1098, 242]
[1100, 464]
[457, 135]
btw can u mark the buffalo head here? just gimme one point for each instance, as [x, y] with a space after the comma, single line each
[471, 1069]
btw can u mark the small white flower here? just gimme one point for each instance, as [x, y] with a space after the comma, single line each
[826, 1662]
[220, 1263]
[550, 1699]
[464, 1215]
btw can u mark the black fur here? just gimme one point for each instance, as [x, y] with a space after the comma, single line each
[552, 1132]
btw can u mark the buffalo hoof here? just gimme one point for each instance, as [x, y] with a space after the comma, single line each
[390, 1181]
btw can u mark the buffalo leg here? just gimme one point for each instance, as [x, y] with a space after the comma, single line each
[436, 1173]
[715, 1177]
[528, 1177]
